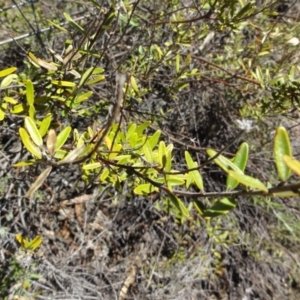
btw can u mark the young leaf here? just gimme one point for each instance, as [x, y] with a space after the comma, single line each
[195, 175]
[240, 160]
[29, 145]
[45, 124]
[148, 152]
[145, 189]
[39, 181]
[282, 147]
[153, 140]
[134, 85]
[29, 92]
[130, 131]
[7, 71]
[33, 131]
[62, 137]
[35, 243]
[92, 166]
[29, 245]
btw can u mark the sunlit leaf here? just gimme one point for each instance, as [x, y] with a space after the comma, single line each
[95, 80]
[44, 126]
[10, 100]
[240, 160]
[29, 145]
[153, 140]
[33, 131]
[92, 166]
[71, 156]
[7, 71]
[8, 80]
[63, 83]
[17, 109]
[248, 181]
[223, 162]
[134, 85]
[282, 147]
[62, 137]
[29, 92]
[293, 164]
[145, 189]
[29, 245]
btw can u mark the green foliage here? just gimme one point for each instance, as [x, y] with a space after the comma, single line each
[118, 153]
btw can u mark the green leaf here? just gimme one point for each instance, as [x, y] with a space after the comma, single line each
[293, 164]
[10, 100]
[29, 245]
[223, 162]
[195, 176]
[24, 163]
[72, 155]
[133, 140]
[148, 152]
[134, 85]
[92, 166]
[8, 80]
[83, 96]
[17, 109]
[240, 160]
[62, 137]
[244, 10]
[29, 92]
[140, 129]
[2, 111]
[200, 207]
[221, 207]
[7, 71]
[33, 131]
[95, 80]
[130, 131]
[63, 83]
[73, 23]
[177, 63]
[248, 181]
[57, 26]
[31, 112]
[282, 147]
[153, 140]
[189, 160]
[198, 178]
[86, 75]
[29, 145]
[179, 205]
[45, 124]
[145, 189]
